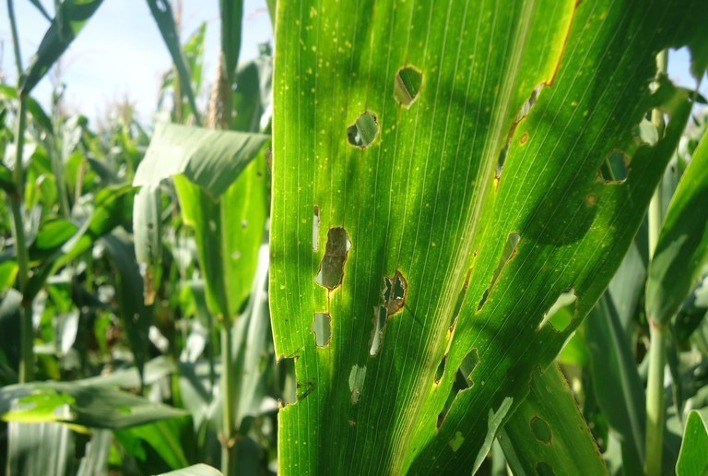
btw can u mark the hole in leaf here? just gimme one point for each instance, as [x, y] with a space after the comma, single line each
[512, 242]
[440, 370]
[393, 299]
[378, 332]
[544, 469]
[322, 327]
[364, 130]
[523, 112]
[467, 366]
[561, 313]
[356, 382]
[337, 248]
[407, 85]
[394, 293]
[541, 430]
[286, 378]
[316, 229]
[614, 168]
[463, 381]
[461, 299]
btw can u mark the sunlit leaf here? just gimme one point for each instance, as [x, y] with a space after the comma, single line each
[437, 226]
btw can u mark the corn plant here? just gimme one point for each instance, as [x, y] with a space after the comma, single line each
[453, 189]
[443, 176]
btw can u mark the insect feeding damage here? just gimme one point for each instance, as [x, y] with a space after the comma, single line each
[393, 299]
[337, 248]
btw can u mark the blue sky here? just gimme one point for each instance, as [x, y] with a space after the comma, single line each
[120, 53]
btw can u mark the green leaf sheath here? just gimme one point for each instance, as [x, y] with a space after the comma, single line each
[458, 224]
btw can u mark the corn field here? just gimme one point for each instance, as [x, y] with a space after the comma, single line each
[411, 238]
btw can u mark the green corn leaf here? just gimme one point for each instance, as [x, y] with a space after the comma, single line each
[547, 432]
[220, 181]
[70, 18]
[111, 208]
[617, 385]
[209, 158]
[160, 445]
[162, 12]
[681, 255]
[92, 406]
[228, 234]
[693, 460]
[33, 107]
[436, 233]
[41, 9]
[136, 316]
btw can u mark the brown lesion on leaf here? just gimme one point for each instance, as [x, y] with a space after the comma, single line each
[331, 272]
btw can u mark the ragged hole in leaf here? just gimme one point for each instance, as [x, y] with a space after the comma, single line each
[337, 248]
[512, 242]
[364, 130]
[407, 85]
[322, 328]
[468, 365]
[544, 469]
[393, 299]
[523, 112]
[394, 293]
[541, 430]
[614, 168]
[561, 313]
[286, 378]
[463, 381]
[356, 382]
[316, 229]
[379, 327]
[440, 371]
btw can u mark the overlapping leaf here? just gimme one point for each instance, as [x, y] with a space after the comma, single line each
[435, 228]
